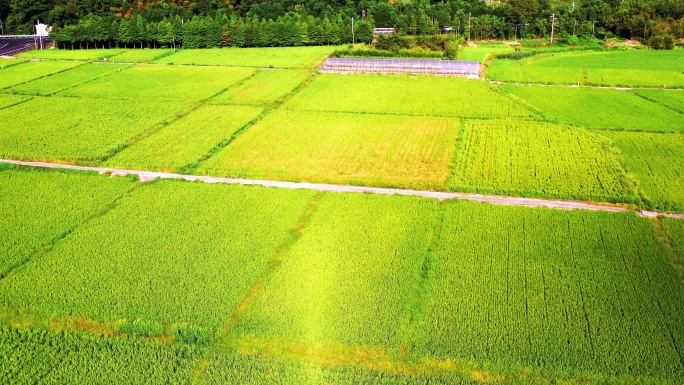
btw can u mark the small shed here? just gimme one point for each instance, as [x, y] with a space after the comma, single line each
[383, 31]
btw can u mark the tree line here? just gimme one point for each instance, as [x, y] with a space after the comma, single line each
[243, 23]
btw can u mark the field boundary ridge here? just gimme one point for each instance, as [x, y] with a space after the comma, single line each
[146, 176]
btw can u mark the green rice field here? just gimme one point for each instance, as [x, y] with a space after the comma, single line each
[286, 57]
[404, 95]
[52, 84]
[264, 88]
[185, 141]
[161, 83]
[600, 108]
[481, 54]
[655, 161]
[24, 72]
[109, 279]
[71, 54]
[509, 157]
[336, 287]
[635, 68]
[97, 134]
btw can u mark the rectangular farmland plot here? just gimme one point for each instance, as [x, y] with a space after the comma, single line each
[600, 108]
[185, 141]
[57, 82]
[150, 82]
[264, 88]
[350, 276]
[403, 95]
[513, 157]
[516, 71]
[141, 55]
[341, 148]
[556, 291]
[171, 252]
[280, 57]
[21, 73]
[40, 206]
[69, 54]
[76, 129]
[622, 68]
[655, 161]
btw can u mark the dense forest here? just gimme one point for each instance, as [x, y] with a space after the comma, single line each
[216, 23]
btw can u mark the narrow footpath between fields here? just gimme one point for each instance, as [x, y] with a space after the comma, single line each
[493, 199]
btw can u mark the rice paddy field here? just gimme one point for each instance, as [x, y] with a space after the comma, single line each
[111, 279]
[329, 147]
[286, 57]
[634, 68]
[599, 108]
[481, 54]
[407, 95]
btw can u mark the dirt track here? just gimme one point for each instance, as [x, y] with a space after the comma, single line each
[499, 200]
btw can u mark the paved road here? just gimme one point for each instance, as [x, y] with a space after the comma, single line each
[499, 200]
[13, 45]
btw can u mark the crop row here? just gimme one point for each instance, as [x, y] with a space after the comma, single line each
[44, 206]
[171, 253]
[655, 161]
[594, 292]
[560, 292]
[528, 158]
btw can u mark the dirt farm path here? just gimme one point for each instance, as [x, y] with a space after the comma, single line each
[493, 199]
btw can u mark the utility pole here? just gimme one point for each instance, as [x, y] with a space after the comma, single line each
[553, 20]
[353, 40]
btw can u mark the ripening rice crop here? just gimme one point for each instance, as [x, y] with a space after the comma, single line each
[39, 207]
[58, 128]
[265, 87]
[161, 83]
[350, 276]
[54, 83]
[29, 356]
[21, 73]
[341, 148]
[75, 54]
[656, 162]
[171, 252]
[537, 159]
[422, 95]
[600, 108]
[561, 291]
[185, 141]
[281, 57]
